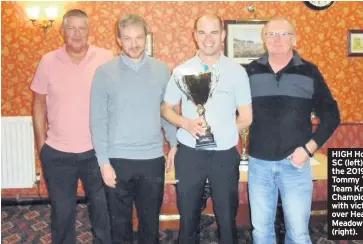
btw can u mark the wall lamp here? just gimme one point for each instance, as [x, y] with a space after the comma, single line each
[42, 17]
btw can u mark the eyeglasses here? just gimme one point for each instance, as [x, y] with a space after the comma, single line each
[280, 34]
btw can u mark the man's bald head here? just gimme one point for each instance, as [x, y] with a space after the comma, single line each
[209, 35]
[209, 17]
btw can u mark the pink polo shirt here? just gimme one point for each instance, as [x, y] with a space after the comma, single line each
[68, 87]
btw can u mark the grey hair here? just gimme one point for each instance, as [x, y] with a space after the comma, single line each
[73, 13]
[130, 19]
[277, 18]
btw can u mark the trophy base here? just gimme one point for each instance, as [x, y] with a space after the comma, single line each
[243, 165]
[244, 157]
[243, 162]
[205, 142]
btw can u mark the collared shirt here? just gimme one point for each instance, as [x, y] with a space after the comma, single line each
[131, 64]
[205, 66]
[231, 91]
[68, 87]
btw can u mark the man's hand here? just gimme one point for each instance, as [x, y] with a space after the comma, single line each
[195, 127]
[299, 157]
[244, 118]
[170, 159]
[108, 175]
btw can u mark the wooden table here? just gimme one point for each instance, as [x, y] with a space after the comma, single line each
[170, 216]
[320, 171]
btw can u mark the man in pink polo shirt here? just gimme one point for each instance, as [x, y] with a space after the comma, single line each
[61, 86]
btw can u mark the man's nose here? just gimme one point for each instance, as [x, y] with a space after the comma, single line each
[134, 43]
[208, 36]
[277, 37]
[77, 32]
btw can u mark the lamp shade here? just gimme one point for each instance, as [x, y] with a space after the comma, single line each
[51, 12]
[33, 12]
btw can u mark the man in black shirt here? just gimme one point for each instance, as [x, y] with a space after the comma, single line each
[285, 90]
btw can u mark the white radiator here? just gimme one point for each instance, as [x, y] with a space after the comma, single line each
[17, 152]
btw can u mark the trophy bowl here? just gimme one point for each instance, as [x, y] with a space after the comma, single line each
[198, 88]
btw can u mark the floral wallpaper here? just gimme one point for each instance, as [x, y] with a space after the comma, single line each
[322, 39]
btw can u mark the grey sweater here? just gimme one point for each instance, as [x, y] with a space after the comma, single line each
[125, 117]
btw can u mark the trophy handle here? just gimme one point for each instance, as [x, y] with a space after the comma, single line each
[244, 155]
[185, 89]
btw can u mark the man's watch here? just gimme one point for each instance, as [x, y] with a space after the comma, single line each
[307, 151]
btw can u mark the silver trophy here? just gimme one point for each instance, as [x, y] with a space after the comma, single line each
[198, 88]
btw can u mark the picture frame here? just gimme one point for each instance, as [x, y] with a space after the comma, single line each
[355, 43]
[149, 44]
[243, 42]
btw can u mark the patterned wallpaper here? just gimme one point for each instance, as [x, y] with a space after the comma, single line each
[322, 39]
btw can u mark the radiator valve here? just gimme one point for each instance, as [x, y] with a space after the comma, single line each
[37, 178]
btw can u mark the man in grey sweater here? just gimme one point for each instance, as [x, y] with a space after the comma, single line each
[126, 133]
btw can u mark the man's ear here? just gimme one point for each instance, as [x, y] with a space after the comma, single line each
[223, 36]
[195, 34]
[119, 41]
[62, 31]
[294, 41]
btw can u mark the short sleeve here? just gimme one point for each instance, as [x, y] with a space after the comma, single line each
[165, 79]
[242, 91]
[173, 94]
[40, 80]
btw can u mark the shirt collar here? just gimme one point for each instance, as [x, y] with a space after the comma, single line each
[131, 64]
[296, 59]
[66, 58]
[206, 66]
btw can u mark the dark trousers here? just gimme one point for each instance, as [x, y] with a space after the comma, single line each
[142, 182]
[62, 171]
[192, 169]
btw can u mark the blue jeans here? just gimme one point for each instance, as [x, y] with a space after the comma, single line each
[265, 180]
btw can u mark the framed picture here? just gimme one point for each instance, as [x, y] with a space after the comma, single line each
[355, 43]
[149, 44]
[244, 42]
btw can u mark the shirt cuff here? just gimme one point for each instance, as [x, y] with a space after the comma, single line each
[102, 159]
[173, 142]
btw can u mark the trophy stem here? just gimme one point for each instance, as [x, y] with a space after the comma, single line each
[206, 126]
[206, 140]
[244, 155]
[201, 113]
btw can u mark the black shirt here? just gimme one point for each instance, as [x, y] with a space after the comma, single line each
[282, 104]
